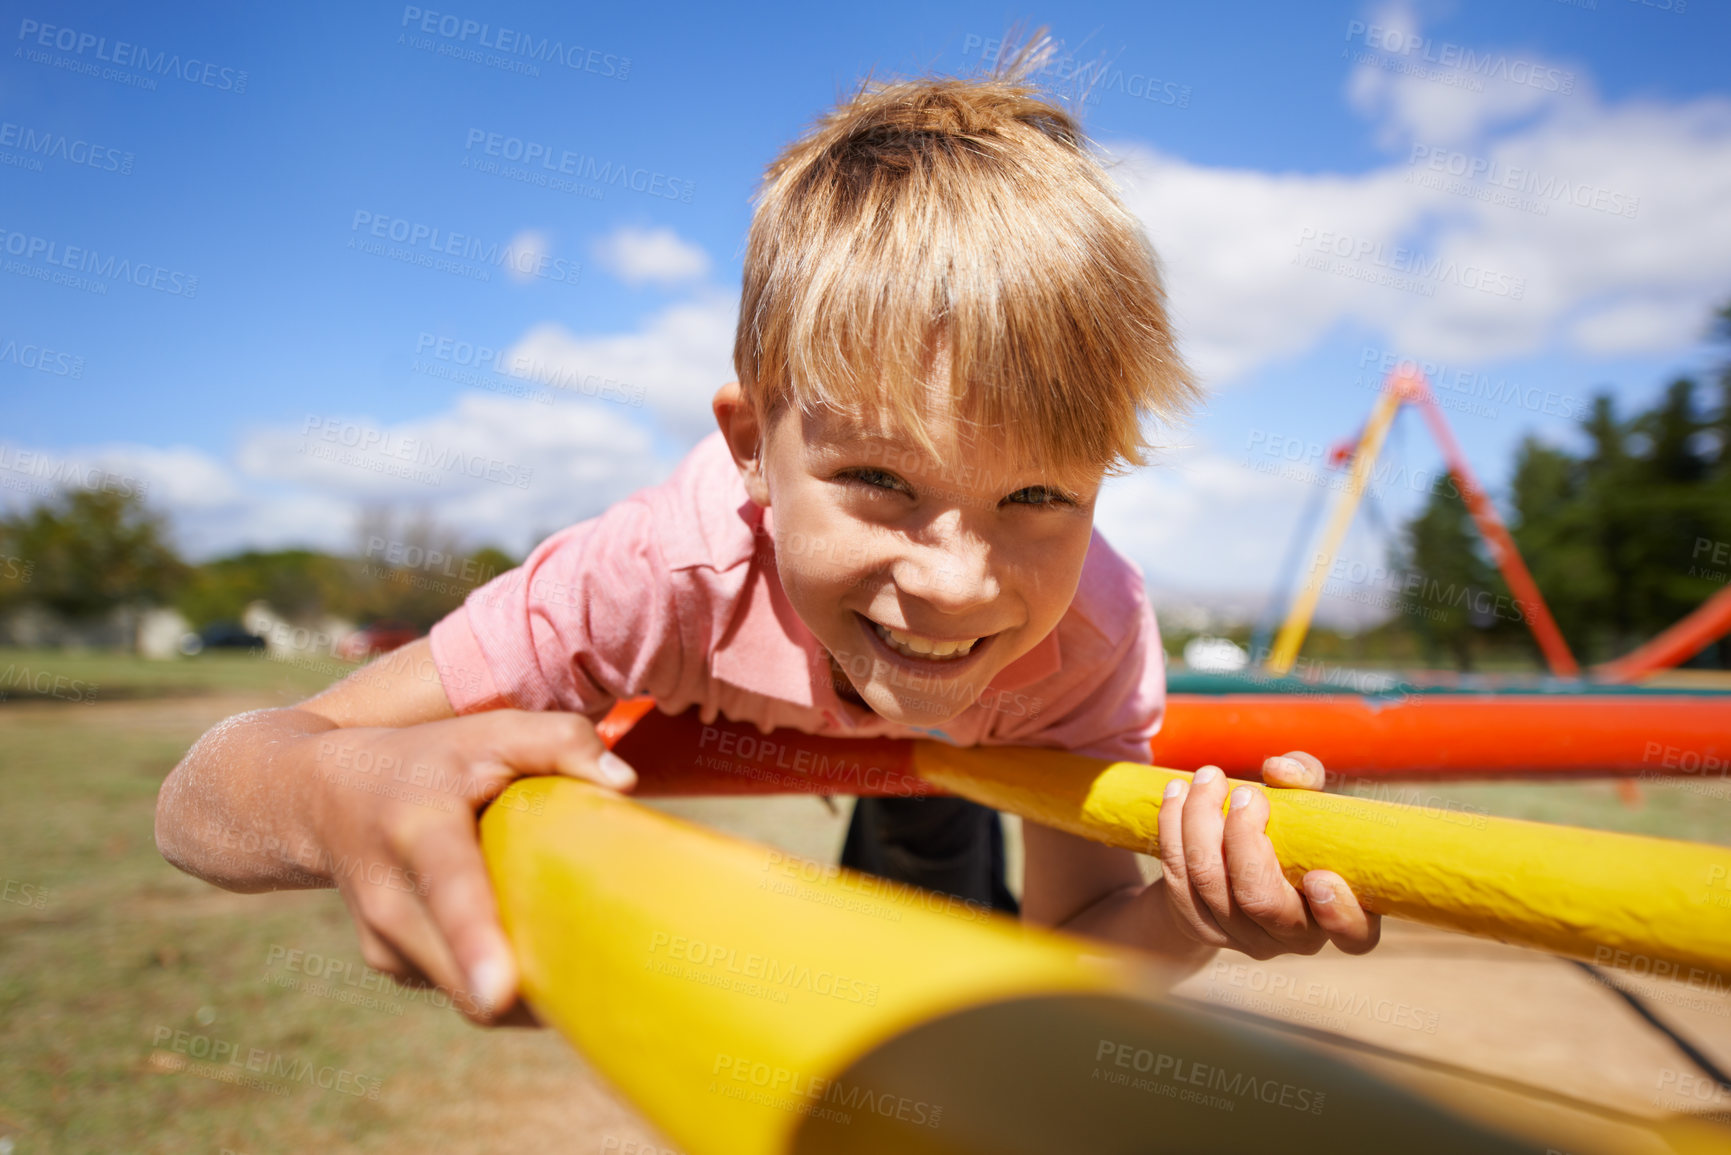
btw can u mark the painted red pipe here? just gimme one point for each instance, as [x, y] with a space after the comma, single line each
[1453, 735]
[1438, 736]
[1676, 645]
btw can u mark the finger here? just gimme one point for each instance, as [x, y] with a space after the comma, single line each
[1337, 910]
[459, 901]
[1204, 864]
[1170, 829]
[384, 958]
[1294, 770]
[399, 939]
[1259, 888]
[538, 742]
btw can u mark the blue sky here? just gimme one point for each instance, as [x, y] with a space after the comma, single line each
[1273, 133]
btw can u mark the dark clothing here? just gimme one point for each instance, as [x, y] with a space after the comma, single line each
[949, 845]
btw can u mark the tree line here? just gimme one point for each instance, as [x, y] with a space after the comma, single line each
[1624, 535]
[82, 553]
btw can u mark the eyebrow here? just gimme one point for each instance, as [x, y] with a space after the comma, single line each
[855, 438]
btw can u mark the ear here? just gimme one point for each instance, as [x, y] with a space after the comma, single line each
[744, 430]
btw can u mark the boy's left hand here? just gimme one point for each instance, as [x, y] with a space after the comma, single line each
[1223, 883]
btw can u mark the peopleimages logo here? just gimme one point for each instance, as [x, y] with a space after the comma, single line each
[429, 246]
[553, 162]
[80, 260]
[36, 144]
[1458, 58]
[380, 450]
[463, 36]
[1486, 176]
[1366, 258]
[124, 54]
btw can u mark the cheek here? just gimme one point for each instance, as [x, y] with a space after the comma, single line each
[1050, 574]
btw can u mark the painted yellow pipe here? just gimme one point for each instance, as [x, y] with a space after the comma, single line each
[1291, 637]
[1655, 905]
[749, 1002]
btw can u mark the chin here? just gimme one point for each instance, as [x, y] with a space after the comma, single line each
[916, 712]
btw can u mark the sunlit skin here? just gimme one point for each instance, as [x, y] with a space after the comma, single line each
[963, 546]
[870, 529]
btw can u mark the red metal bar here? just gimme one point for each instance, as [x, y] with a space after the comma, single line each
[682, 754]
[1508, 558]
[1678, 644]
[1455, 735]
[1435, 736]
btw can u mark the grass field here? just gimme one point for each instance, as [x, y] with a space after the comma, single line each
[121, 979]
[106, 952]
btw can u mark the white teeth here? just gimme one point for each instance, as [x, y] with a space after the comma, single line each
[916, 646]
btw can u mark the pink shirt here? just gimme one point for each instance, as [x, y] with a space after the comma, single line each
[674, 593]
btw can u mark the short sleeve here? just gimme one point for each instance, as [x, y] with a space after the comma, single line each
[591, 616]
[1121, 717]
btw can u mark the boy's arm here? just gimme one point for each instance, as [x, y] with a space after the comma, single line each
[237, 807]
[373, 786]
[1091, 889]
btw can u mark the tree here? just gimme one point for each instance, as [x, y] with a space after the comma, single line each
[90, 551]
[1614, 535]
[297, 583]
[1452, 594]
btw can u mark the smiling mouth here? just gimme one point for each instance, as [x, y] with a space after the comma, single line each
[920, 647]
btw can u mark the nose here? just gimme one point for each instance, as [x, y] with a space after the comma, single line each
[950, 569]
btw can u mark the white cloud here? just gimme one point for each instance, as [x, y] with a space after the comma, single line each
[1208, 528]
[528, 250]
[1637, 327]
[1419, 87]
[495, 470]
[675, 361]
[651, 256]
[1589, 208]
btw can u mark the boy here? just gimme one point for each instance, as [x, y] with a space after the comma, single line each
[950, 332]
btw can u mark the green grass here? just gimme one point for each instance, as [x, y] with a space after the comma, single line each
[103, 677]
[123, 944]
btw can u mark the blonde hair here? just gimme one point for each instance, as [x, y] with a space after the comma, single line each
[967, 215]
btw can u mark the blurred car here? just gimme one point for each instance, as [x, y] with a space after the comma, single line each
[221, 636]
[378, 638]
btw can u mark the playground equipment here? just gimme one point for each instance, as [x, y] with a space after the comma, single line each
[1562, 726]
[1408, 732]
[1586, 894]
[1407, 386]
[1677, 644]
[749, 1002]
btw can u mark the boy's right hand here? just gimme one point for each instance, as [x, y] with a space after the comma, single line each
[402, 842]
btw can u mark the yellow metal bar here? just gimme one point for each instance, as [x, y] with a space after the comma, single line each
[748, 1002]
[1297, 624]
[1661, 906]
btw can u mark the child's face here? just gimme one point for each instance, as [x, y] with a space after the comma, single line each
[923, 577]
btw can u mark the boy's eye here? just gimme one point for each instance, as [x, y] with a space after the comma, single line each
[876, 479]
[1039, 495]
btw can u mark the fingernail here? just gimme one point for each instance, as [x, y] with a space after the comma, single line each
[1240, 798]
[1205, 775]
[615, 769]
[1174, 788]
[1319, 891]
[490, 983]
